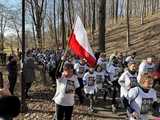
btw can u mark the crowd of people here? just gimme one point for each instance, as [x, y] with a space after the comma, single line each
[121, 77]
[114, 77]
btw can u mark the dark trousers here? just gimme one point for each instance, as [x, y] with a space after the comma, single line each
[12, 80]
[79, 90]
[63, 112]
[28, 86]
[115, 91]
[52, 75]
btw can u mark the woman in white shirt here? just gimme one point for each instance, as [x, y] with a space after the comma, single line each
[65, 92]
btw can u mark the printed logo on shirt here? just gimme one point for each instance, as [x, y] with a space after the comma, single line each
[70, 87]
[91, 81]
[146, 105]
[98, 79]
[134, 82]
[81, 70]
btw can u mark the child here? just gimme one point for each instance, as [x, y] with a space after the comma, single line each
[64, 97]
[102, 61]
[128, 79]
[90, 86]
[80, 69]
[114, 72]
[142, 99]
[147, 65]
[100, 77]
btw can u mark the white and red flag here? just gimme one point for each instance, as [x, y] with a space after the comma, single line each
[78, 43]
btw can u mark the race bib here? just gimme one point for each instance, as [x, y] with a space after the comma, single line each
[98, 79]
[91, 81]
[134, 82]
[146, 105]
[70, 87]
[81, 70]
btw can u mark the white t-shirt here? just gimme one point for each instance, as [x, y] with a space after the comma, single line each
[140, 101]
[65, 90]
[129, 59]
[80, 69]
[144, 67]
[89, 81]
[113, 72]
[127, 81]
[103, 63]
[100, 77]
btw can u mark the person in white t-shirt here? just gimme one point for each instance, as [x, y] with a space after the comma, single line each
[142, 99]
[102, 61]
[114, 73]
[130, 58]
[100, 77]
[128, 79]
[146, 66]
[65, 92]
[89, 81]
[80, 69]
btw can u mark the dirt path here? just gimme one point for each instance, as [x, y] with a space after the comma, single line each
[41, 106]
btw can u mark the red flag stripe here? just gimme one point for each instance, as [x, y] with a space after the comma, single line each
[80, 51]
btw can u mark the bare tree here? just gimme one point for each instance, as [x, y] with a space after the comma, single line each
[3, 23]
[128, 24]
[63, 25]
[37, 9]
[102, 17]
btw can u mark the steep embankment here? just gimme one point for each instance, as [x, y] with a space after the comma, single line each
[144, 39]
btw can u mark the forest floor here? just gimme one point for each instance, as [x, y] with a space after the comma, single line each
[41, 107]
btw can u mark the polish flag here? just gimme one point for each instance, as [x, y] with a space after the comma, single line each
[79, 45]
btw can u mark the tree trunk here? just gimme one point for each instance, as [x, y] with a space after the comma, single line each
[102, 16]
[63, 26]
[34, 36]
[142, 11]
[128, 25]
[94, 17]
[55, 28]
[39, 36]
[84, 13]
[117, 8]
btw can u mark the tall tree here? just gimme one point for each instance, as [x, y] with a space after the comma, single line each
[63, 25]
[38, 8]
[3, 23]
[55, 28]
[128, 23]
[102, 17]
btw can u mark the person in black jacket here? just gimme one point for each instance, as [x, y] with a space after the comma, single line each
[12, 70]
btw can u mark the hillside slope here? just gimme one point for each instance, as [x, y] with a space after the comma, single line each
[145, 39]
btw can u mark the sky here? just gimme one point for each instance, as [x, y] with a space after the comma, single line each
[12, 5]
